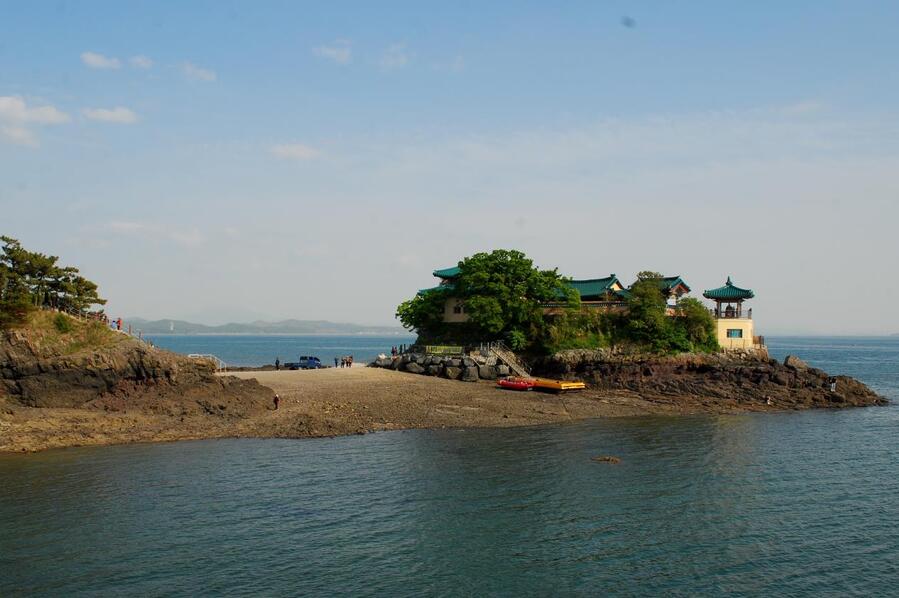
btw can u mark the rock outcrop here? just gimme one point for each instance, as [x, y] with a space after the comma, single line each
[738, 377]
[117, 375]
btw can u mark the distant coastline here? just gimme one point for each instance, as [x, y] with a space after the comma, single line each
[281, 327]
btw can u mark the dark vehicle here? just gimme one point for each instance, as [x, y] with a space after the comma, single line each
[306, 362]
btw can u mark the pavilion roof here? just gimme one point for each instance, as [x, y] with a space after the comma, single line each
[447, 273]
[728, 292]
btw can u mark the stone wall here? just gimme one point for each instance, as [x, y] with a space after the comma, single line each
[468, 369]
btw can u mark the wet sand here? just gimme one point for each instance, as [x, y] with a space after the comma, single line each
[326, 402]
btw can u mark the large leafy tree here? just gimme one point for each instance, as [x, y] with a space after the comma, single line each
[503, 294]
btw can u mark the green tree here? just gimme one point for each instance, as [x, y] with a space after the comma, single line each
[30, 279]
[697, 324]
[424, 312]
[503, 295]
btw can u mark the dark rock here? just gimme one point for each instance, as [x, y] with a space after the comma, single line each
[452, 372]
[791, 361]
[414, 368]
[486, 372]
[470, 374]
[435, 370]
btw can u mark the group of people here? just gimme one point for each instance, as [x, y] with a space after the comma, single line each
[343, 362]
[394, 351]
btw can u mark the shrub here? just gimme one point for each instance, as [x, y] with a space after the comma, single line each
[62, 323]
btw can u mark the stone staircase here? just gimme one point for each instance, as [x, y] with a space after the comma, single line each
[505, 355]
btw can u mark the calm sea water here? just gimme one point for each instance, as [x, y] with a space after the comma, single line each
[244, 350]
[794, 503]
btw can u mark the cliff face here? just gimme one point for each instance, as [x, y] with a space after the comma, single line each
[115, 373]
[743, 378]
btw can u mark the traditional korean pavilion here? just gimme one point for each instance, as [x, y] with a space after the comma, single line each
[735, 329]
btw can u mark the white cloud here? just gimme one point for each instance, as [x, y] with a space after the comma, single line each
[140, 61]
[118, 115]
[99, 61]
[18, 135]
[340, 52]
[192, 71]
[16, 115]
[14, 108]
[395, 57]
[294, 151]
[187, 238]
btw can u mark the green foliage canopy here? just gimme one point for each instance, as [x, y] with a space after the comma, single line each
[503, 295]
[646, 323]
[30, 280]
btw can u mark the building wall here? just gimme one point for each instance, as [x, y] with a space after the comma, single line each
[743, 324]
[449, 311]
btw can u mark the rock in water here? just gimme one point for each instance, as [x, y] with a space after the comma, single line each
[606, 459]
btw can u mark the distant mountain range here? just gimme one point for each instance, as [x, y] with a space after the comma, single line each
[259, 327]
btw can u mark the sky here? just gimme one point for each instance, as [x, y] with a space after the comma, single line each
[232, 161]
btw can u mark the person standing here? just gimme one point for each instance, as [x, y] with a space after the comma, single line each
[118, 324]
[336, 362]
[277, 363]
[276, 401]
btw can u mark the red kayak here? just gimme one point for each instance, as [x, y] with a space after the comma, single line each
[516, 383]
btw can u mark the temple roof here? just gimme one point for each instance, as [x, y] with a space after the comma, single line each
[448, 286]
[594, 287]
[728, 292]
[447, 273]
[671, 282]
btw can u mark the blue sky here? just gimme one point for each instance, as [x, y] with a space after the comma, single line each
[226, 161]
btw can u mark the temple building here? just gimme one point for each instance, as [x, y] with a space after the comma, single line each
[734, 324]
[453, 309]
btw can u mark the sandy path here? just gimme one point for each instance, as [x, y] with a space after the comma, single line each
[341, 401]
[325, 402]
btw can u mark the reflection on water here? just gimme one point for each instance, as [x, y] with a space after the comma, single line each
[793, 503]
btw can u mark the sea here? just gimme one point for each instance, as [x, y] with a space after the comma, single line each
[797, 504]
[264, 349]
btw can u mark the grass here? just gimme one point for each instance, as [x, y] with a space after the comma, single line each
[59, 333]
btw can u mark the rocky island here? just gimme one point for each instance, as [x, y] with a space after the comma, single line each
[67, 378]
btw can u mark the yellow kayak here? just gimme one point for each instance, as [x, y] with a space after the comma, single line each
[557, 385]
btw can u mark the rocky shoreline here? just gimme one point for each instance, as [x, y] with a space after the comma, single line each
[747, 377]
[743, 377]
[467, 368]
[123, 391]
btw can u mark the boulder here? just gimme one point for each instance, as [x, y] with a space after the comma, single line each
[791, 361]
[470, 374]
[453, 363]
[434, 370]
[487, 372]
[468, 362]
[502, 370]
[452, 372]
[413, 368]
